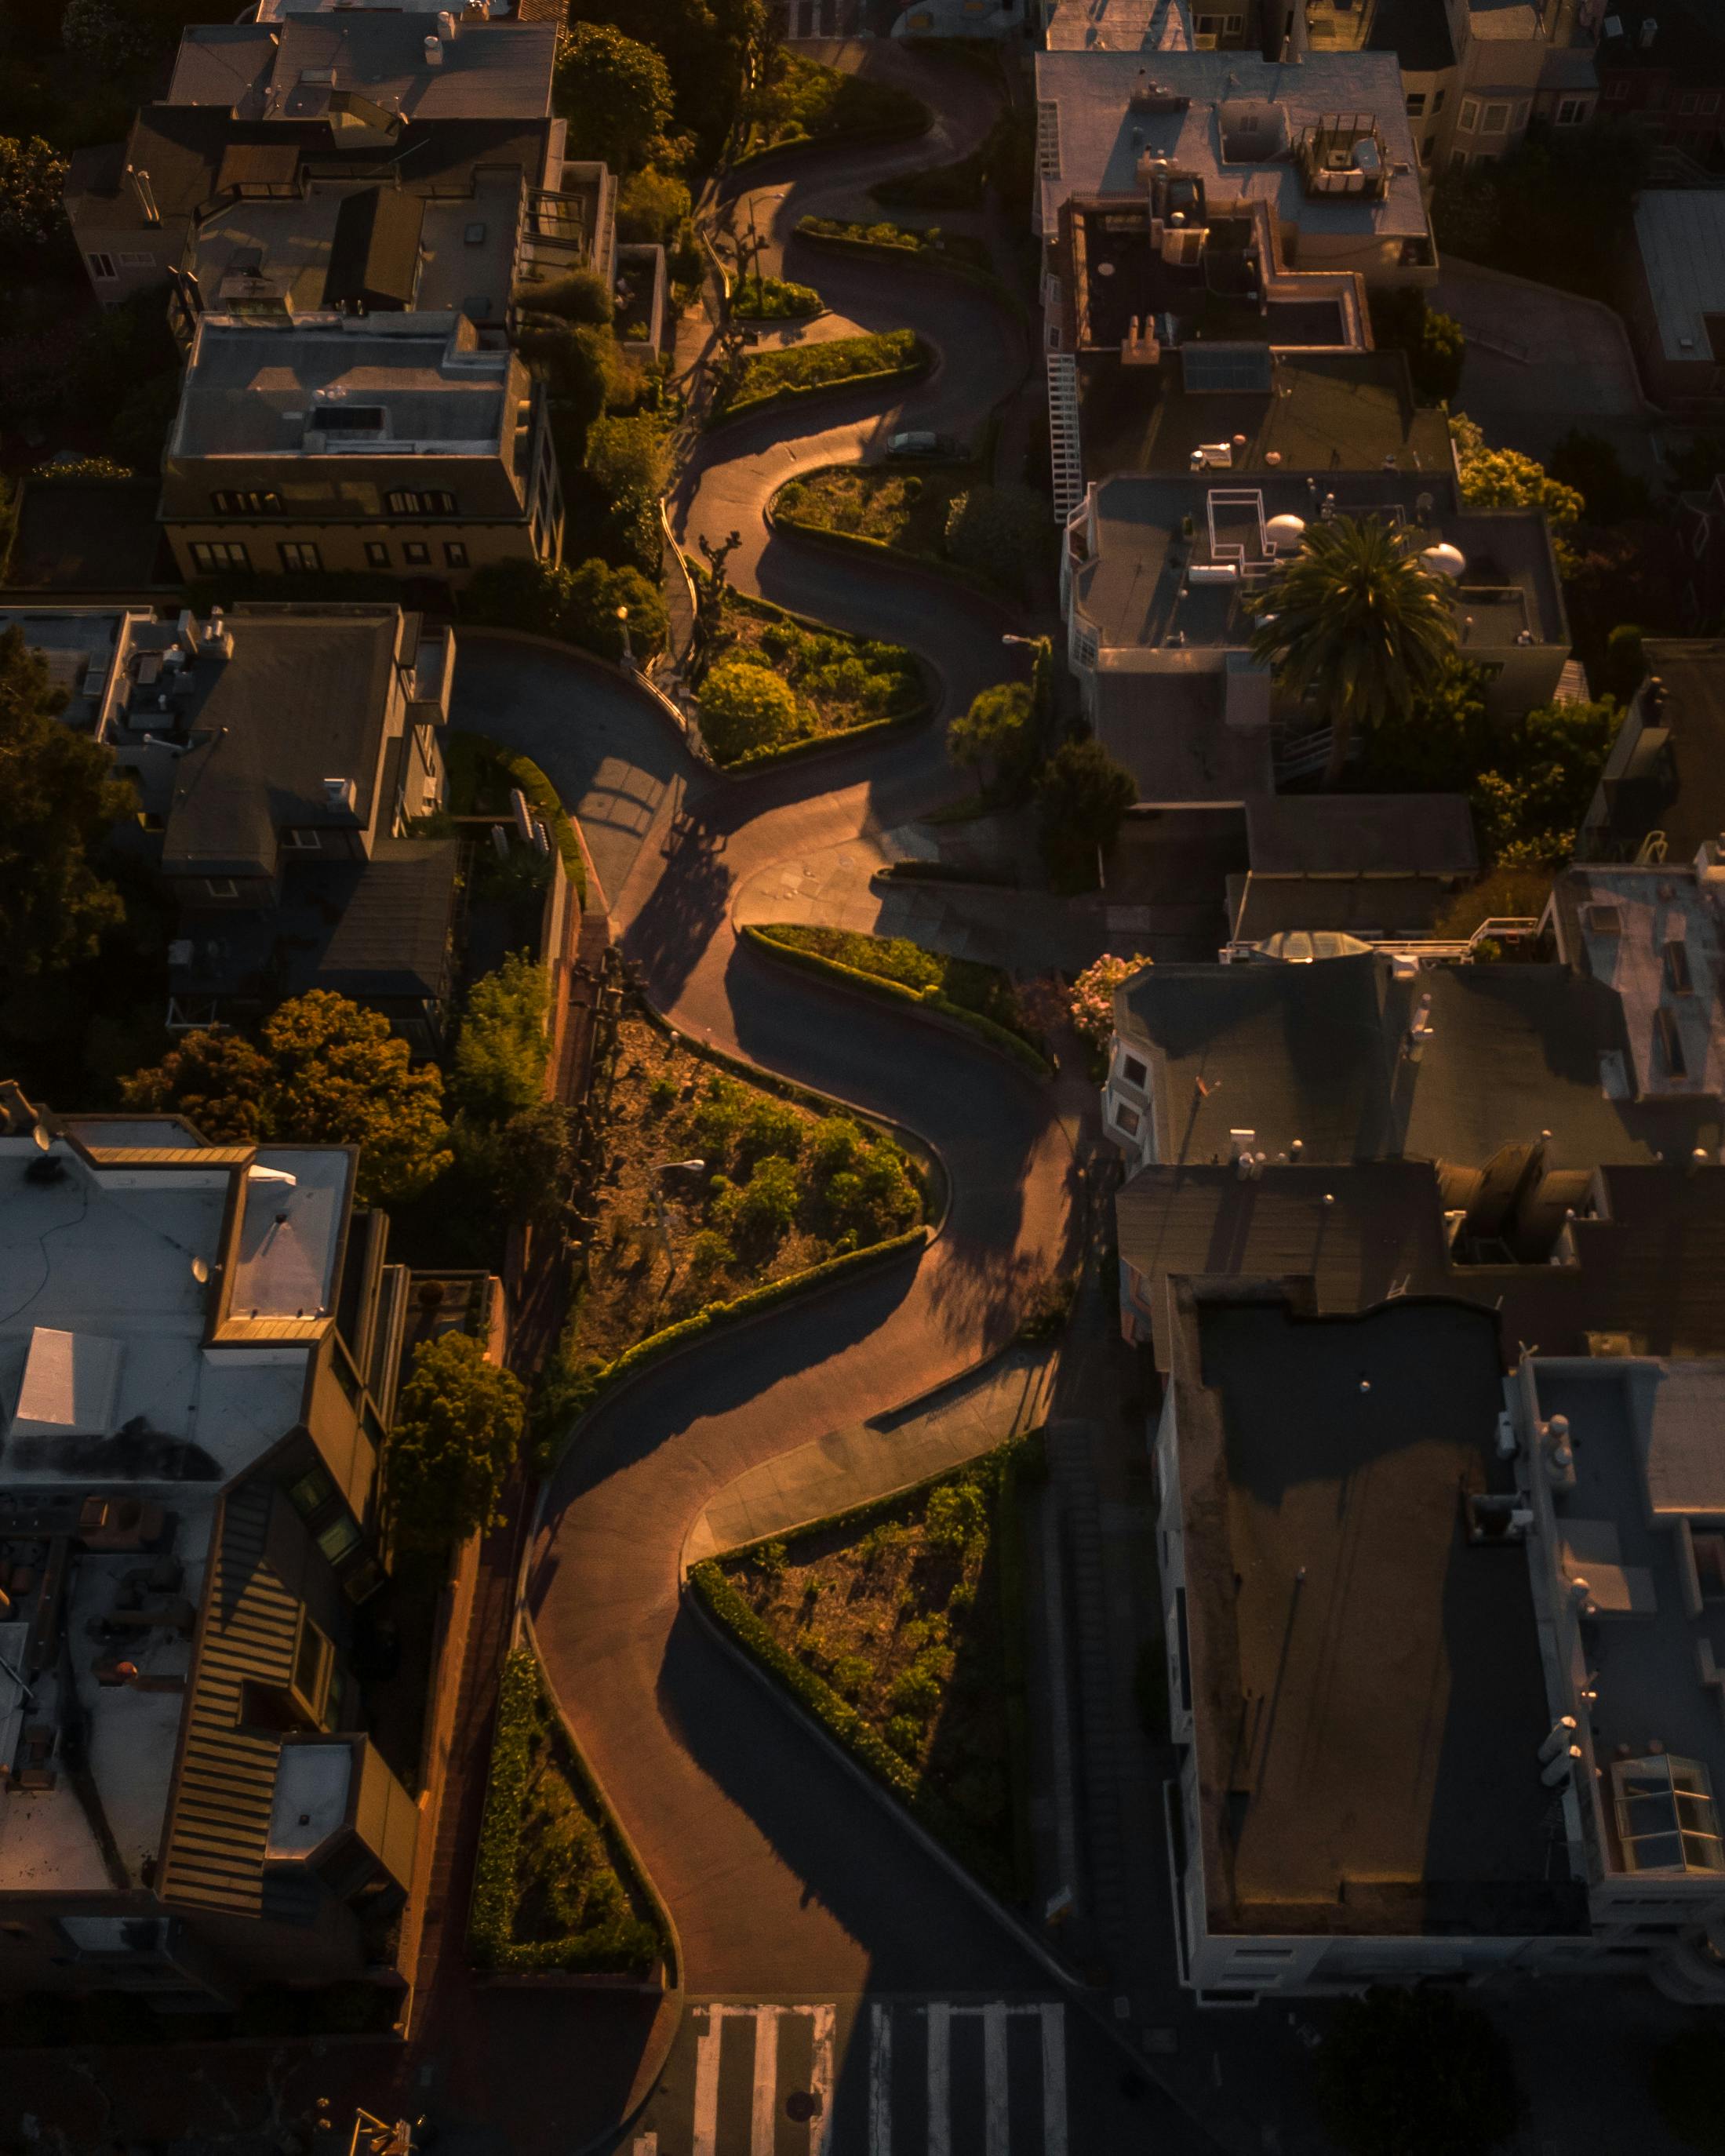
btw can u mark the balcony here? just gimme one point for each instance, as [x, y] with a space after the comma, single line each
[1343, 154]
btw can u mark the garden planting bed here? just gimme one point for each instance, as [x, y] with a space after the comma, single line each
[917, 243]
[900, 1626]
[891, 505]
[841, 683]
[770, 379]
[785, 1185]
[553, 1887]
[774, 300]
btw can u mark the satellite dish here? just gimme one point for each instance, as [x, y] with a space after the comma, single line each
[1284, 531]
[1444, 560]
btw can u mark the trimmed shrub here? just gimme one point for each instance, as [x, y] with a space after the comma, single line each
[745, 707]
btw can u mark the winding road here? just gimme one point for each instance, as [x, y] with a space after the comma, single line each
[784, 1877]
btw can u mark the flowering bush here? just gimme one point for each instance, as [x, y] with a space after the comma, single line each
[32, 174]
[105, 35]
[1092, 1003]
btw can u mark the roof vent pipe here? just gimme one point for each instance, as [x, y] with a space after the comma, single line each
[1561, 1736]
[433, 51]
[1563, 1768]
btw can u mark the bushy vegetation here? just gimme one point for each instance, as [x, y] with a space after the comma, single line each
[456, 1435]
[802, 100]
[1433, 342]
[615, 93]
[773, 300]
[578, 605]
[765, 379]
[943, 513]
[775, 683]
[552, 1886]
[1081, 796]
[1558, 208]
[899, 1627]
[902, 238]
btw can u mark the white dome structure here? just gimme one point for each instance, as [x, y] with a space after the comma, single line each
[1286, 532]
[1444, 560]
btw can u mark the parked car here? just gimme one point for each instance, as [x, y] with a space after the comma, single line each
[922, 445]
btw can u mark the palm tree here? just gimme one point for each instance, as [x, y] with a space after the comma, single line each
[1358, 619]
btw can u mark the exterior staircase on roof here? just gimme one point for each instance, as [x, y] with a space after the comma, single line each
[1066, 453]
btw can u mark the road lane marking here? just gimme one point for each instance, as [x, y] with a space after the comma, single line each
[763, 2118]
[880, 2082]
[1054, 2080]
[821, 2082]
[939, 2072]
[996, 2126]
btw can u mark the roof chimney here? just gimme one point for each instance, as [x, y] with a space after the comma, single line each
[433, 51]
[339, 793]
[1649, 31]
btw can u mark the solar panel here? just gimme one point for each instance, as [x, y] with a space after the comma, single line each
[1210, 369]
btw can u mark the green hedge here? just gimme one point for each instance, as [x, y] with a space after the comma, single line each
[876, 984]
[578, 1395]
[618, 1948]
[860, 542]
[525, 773]
[810, 370]
[759, 759]
[775, 299]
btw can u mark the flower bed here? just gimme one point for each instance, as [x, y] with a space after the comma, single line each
[952, 248]
[552, 1888]
[899, 1625]
[774, 300]
[768, 379]
[838, 686]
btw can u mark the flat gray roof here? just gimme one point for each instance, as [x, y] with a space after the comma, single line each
[1344, 835]
[1367, 1684]
[286, 70]
[1101, 138]
[252, 390]
[1680, 231]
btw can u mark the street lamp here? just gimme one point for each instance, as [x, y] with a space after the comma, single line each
[1025, 643]
[628, 656]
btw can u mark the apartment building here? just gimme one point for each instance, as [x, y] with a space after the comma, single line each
[1677, 311]
[196, 1375]
[1664, 73]
[395, 443]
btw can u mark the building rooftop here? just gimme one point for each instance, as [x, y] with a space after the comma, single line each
[376, 385]
[86, 649]
[1313, 411]
[289, 69]
[1652, 934]
[1680, 234]
[299, 701]
[1117, 26]
[1168, 728]
[1232, 121]
[1351, 835]
[1321, 1053]
[1666, 773]
[1363, 1679]
[1641, 1268]
[1146, 583]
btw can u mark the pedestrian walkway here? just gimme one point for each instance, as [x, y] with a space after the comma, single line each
[870, 1459]
[864, 2077]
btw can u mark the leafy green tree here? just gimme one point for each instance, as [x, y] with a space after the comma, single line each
[1506, 479]
[457, 1435]
[1082, 797]
[338, 1076]
[502, 1048]
[512, 1172]
[1357, 621]
[744, 707]
[518, 594]
[1416, 2073]
[651, 206]
[998, 730]
[1001, 532]
[594, 592]
[771, 1128]
[764, 1209]
[33, 177]
[614, 92]
[218, 1080]
[629, 456]
[1529, 807]
[577, 295]
[1626, 661]
[58, 801]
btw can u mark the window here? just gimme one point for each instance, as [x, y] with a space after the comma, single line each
[455, 554]
[1185, 1647]
[338, 1538]
[247, 504]
[1687, 103]
[1219, 26]
[1458, 161]
[1710, 103]
[1133, 1071]
[1048, 139]
[1617, 89]
[1470, 116]
[1428, 149]
[1127, 1119]
[314, 1488]
[1521, 119]
[314, 1660]
[299, 554]
[417, 502]
[377, 554]
[1437, 102]
[1495, 121]
[101, 267]
[1666, 1820]
[302, 842]
[209, 555]
[1670, 1044]
[1416, 104]
[415, 554]
[1571, 111]
[220, 887]
[141, 260]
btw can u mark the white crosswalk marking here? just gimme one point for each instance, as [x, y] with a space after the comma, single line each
[707, 2040]
[821, 2082]
[995, 2127]
[880, 2082]
[940, 2080]
[763, 2117]
[1054, 2080]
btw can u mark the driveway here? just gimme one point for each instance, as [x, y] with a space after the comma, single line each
[1540, 362]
